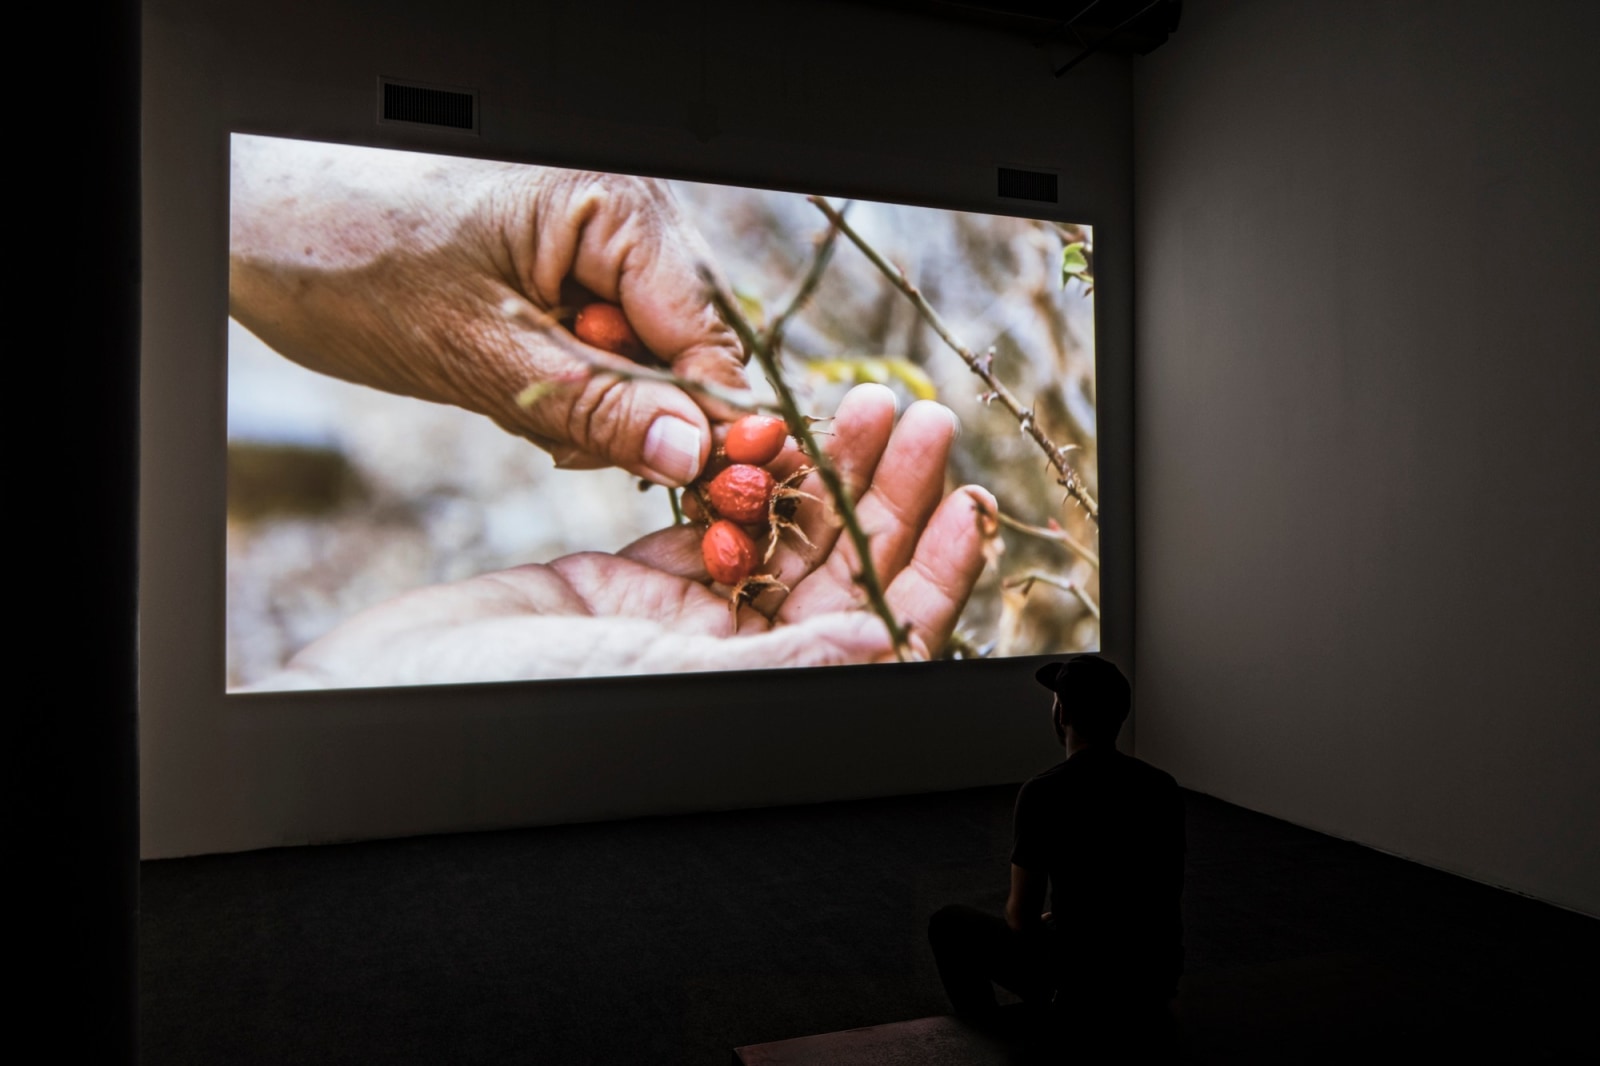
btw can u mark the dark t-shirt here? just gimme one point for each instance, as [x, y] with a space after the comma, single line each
[1107, 830]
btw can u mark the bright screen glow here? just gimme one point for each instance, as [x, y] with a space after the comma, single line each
[480, 418]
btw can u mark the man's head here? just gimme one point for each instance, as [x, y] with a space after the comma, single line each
[1092, 697]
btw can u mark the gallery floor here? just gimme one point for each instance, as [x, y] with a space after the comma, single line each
[674, 940]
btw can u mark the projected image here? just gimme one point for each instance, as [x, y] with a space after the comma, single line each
[493, 422]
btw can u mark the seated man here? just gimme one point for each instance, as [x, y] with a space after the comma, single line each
[1105, 832]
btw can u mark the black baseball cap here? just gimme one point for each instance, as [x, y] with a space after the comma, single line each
[1087, 679]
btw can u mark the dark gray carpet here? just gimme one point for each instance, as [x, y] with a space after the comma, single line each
[673, 940]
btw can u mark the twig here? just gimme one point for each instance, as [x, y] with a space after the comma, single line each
[808, 285]
[532, 318]
[678, 518]
[800, 428]
[983, 367]
[960, 646]
[1026, 582]
[1070, 232]
[1059, 536]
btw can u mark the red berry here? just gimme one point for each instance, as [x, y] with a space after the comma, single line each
[756, 439]
[604, 326]
[729, 553]
[741, 492]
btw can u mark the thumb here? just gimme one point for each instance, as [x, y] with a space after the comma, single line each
[649, 428]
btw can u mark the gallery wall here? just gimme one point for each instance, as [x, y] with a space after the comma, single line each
[1367, 376]
[848, 100]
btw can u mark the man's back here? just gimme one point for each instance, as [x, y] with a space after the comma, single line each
[1108, 831]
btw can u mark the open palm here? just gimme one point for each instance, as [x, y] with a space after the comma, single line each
[651, 607]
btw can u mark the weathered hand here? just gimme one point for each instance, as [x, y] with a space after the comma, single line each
[650, 608]
[394, 270]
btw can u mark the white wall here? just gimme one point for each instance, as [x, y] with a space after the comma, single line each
[838, 99]
[1367, 384]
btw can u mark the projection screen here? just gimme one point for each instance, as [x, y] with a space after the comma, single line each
[492, 422]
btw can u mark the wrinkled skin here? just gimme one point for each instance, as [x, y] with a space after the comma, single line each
[651, 608]
[397, 271]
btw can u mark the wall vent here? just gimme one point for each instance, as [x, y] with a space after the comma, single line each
[427, 105]
[1036, 185]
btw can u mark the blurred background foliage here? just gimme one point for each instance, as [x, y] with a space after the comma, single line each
[340, 497]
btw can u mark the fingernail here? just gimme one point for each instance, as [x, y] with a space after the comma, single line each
[955, 420]
[672, 450]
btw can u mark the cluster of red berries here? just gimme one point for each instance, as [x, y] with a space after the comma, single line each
[742, 496]
[741, 500]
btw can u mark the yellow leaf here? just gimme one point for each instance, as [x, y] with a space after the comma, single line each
[534, 393]
[913, 378]
[878, 370]
[751, 307]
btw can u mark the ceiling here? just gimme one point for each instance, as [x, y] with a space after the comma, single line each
[1118, 26]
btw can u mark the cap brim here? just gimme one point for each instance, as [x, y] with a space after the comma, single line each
[1049, 675]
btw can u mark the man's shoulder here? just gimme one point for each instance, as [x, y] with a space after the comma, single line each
[1111, 763]
[1154, 774]
[1045, 776]
[1046, 779]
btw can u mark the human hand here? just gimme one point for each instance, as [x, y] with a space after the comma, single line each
[651, 607]
[405, 272]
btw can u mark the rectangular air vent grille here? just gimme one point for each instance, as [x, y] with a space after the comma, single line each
[1027, 185]
[428, 106]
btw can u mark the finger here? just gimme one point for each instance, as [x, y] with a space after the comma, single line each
[929, 593]
[567, 647]
[649, 428]
[668, 301]
[904, 491]
[826, 640]
[551, 646]
[859, 432]
[635, 247]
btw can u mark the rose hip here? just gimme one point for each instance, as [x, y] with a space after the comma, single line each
[729, 553]
[756, 439]
[604, 326]
[741, 492]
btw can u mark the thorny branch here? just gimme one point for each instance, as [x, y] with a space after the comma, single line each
[1059, 536]
[1051, 533]
[819, 263]
[983, 366]
[1026, 582]
[866, 578]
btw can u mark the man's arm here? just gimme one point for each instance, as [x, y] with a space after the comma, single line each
[1026, 900]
